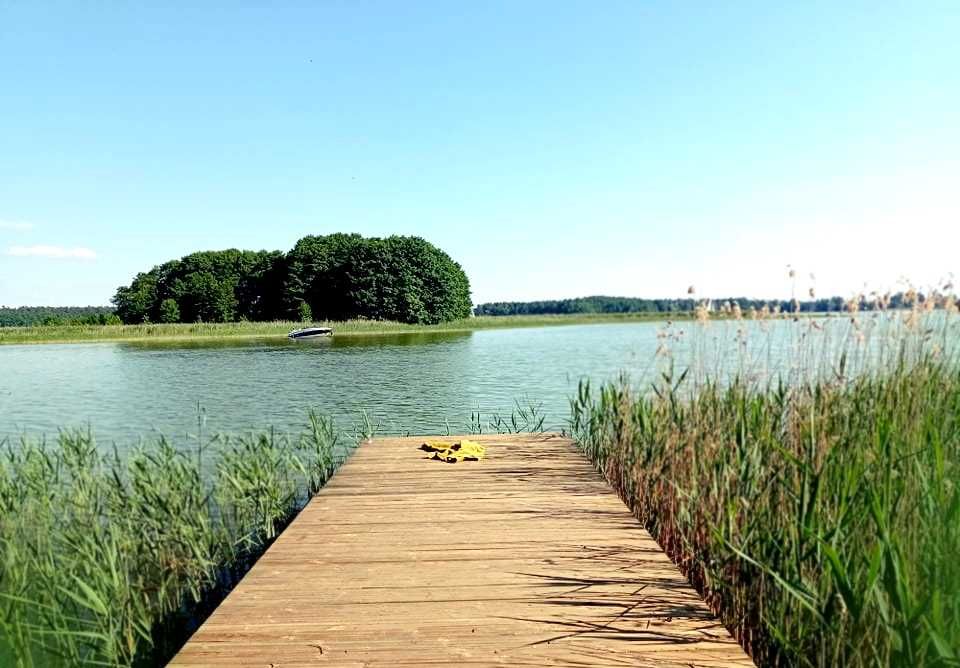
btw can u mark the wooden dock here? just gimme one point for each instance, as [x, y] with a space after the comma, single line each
[526, 558]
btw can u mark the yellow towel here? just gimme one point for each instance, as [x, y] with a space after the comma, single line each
[460, 451]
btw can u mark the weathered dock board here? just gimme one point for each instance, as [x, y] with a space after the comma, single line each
[526, 558]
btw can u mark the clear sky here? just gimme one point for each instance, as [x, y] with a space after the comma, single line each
[553, 148]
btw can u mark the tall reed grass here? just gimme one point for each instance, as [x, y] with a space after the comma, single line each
[817, 510]
[109, 560]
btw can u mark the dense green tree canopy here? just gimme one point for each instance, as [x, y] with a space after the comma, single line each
[210, 286]
[407, 279]
[28, 316]
[169, 310]
[331, 277]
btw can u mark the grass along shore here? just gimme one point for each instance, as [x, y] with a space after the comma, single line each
[111, 560]
[821, 517]
[279, 329]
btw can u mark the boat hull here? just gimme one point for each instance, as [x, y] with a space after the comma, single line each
[312, 333]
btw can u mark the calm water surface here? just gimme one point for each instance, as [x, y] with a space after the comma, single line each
[416, 383]
[409, 382]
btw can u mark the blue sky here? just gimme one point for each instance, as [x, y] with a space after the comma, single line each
[553, 148]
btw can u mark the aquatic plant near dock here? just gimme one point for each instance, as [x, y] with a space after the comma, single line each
[527, 416]
[109, 560]
[819, 514]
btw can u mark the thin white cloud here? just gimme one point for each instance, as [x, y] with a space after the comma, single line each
[15, 226]
[54, 252]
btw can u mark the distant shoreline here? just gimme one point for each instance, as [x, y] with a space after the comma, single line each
[279, 329]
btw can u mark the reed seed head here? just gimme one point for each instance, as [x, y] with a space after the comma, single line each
[703, 312]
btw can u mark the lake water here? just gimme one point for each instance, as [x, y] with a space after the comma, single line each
[408, 383]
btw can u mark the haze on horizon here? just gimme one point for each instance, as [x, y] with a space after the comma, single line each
[554, 150]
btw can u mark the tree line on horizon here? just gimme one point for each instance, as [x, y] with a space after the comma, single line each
[31, 316]
[607, 304]
[224, 286]
[328, 277]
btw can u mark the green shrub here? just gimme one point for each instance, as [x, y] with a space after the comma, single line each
[169, 310]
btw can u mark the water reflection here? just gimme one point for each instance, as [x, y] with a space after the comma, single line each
[342, 341]
[418, 383]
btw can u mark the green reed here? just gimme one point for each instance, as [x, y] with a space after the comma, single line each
[818, 514]
[527, 416]
[108, 560]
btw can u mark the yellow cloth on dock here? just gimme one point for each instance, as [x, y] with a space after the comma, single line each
[460, 451]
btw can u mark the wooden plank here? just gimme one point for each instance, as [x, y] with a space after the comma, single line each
[526, 558]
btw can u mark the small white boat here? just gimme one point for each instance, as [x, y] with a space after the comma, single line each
[310, 333]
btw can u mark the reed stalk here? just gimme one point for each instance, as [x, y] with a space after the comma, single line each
[110, 560]
[818, 510]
